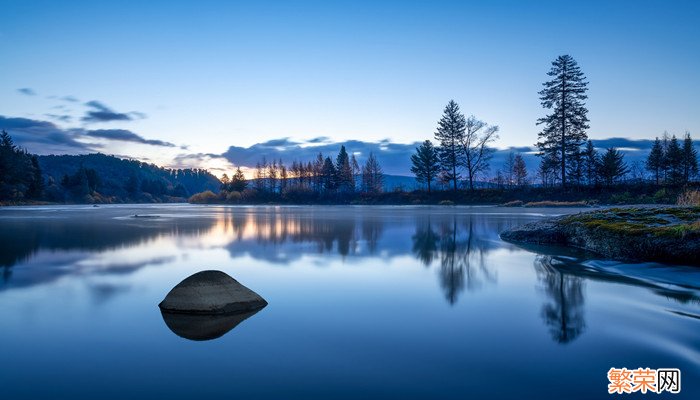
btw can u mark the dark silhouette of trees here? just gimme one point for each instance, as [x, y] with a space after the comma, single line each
[426, 163]
[612, 166]
[344, 171]
[20, 173]
[238, 181]
[474, 143]
[519, 170]
[329, 175]
[674, 162]
[690, 159]
[372, 175]
[590, 164]
[655, 160]
[565, 128]
[450, 134]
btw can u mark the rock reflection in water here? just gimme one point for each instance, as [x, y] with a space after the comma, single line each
[204, 327]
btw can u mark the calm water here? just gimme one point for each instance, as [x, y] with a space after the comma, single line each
[400, 302]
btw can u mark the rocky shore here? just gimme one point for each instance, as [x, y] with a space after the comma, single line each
[664, 234]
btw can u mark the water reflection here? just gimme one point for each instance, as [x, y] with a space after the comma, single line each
[461, 248]
[457, 245]
[562, 278]
[204, 327]
[563, 310]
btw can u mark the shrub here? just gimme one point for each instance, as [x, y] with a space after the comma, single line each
[689, 198]
[206, 197]
[233, 197]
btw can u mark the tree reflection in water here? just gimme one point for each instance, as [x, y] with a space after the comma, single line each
[563, 310]
[461, 251]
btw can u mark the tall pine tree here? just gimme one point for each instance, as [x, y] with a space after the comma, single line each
[612, 166]
[450, 134]
[590, 164]
[655, 160]
[565, 128]
[690, 159]
[426, 163]
[346, 179]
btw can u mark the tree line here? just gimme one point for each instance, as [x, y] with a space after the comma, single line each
[567, 157]
[320, 178]
[92, 178]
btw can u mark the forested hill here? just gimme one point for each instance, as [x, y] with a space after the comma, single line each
[110, 179]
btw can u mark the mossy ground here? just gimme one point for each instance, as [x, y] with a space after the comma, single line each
[677, 222]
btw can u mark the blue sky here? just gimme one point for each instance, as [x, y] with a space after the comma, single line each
[194, 78]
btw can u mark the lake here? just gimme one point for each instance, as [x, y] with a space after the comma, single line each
[364, 302]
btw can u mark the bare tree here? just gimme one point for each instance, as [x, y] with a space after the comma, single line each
[475, 151]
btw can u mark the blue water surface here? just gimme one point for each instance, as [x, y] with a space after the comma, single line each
[364, 302]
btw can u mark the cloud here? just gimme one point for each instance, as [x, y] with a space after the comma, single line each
[395, 157]
[70, 99]
[102, 113]
[126, 136]
[320, 139]
[43, 137]
[60, 117]
[27, 91]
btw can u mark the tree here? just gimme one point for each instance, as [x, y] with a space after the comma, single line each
[690, 159]
[328, 175]
[548, 170]
[238, 181]
[356, 170]
[565, 128]
[259, 176]
[283, 176]
[426, 163]
[450, 134]
[372, 176]
[36, 182]
[655, 160]
[272, 176]
[345, 179]
[590, 164]
[519, 170]
[674, 161]
[612, 166]
[225, 183]
[508, 168]
[474, 151]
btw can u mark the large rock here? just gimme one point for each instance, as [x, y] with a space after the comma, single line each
[666, 234]
[211, 292]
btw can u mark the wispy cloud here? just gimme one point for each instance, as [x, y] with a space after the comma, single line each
[101, 113]
[27, 91]
[44, 137]
[60, 117]
[125, 136]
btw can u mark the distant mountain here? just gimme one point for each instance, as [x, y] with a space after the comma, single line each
[121, 179]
